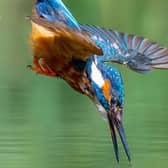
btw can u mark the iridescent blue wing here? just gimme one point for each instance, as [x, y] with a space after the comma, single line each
[55, 11]
[138, 53]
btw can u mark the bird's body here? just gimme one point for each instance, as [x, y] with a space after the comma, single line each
[78, 54]
[55, 46]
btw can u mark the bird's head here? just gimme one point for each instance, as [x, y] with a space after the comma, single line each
[55, 11]
[108, 87]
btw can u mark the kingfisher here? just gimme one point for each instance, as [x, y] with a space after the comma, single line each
[83, 56]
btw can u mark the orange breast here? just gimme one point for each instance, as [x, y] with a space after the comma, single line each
[106, 90]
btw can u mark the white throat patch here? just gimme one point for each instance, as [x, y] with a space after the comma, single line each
[96, 75]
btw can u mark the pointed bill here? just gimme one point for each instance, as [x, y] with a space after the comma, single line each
[121, 132]
[114, 138]
[115, 122]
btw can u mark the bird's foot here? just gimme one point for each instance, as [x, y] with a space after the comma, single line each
[41, 67]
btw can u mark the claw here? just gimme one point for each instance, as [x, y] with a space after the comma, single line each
[41, 67]
[47, 69]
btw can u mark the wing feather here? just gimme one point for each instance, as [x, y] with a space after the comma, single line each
[140, 54]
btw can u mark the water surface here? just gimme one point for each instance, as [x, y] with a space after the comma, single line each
[45, 124]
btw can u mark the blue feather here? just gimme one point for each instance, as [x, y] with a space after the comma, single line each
[56, 11]
[140, 54]
[112, 74]
[100, 96]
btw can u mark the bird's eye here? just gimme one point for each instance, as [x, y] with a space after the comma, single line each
[113, 100]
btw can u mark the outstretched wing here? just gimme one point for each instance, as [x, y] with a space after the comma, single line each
[138, 53]
[77, 45]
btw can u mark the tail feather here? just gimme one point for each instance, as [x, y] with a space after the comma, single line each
[144, 54]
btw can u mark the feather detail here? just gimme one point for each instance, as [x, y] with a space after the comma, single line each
[140, 54]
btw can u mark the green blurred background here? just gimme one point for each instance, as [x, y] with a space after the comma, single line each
[45, 124]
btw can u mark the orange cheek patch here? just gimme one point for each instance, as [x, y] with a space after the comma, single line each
[106, 89]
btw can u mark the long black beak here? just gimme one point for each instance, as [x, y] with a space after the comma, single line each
[117, 124]
[114, 138]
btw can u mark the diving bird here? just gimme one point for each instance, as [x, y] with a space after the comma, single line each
[79, 53]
